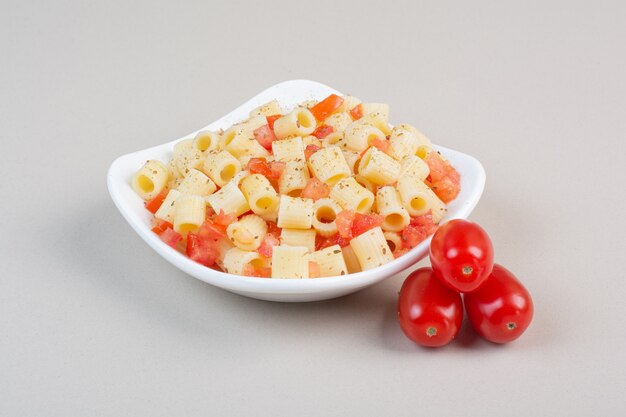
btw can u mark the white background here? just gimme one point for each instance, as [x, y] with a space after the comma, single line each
[92, 322]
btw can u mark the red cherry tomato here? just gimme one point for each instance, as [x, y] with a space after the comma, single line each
[461, 254]
[430, 313]
[500, 310]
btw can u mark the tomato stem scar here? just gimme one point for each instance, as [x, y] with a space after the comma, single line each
[431, 331]
[467, 270]
[511, 326]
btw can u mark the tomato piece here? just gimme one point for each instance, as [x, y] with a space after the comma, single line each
[344, 221]
[364, 222]
[326, 107]
[310, 150]
[160, 225]
[418, 230]
[258, 272]
[273, 229]
[462, 255]
[271, 170]
[430, 314]
[224, 219]
[271, 119]
[332, 240]
[315, 189]
[322, 131]
[502, 309]
[314, 270]
[203, 251]
[276, 169]
[258, 166]
[381, 144]
[444, 180]
[153, 205]
[269, 241]
[265, 136]
[357, 112]
[170, 237]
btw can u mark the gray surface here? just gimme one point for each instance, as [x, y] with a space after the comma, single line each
[92, 322]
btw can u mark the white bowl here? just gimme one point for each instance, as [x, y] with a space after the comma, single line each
[288, 93]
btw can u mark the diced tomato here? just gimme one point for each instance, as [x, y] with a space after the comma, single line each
[215, 226]
[344, 221]
[382, 145]
[314, 270]
[170, 237]
[315, 189]
[418, 230]
[272, 119]
[276, 169]
[326, 107]
[332, 240]
[357, 112]
[160, 225]
[269, 241]
[444, 180]
[273, 229]
[203, 251]
[211, 230]
[265, 136]
[322, 131]
[364, 222]
[310, 150]
[258, 272]
[224, 219]
[153, 205]
[271, 170]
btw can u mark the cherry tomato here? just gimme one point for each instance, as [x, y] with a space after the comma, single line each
[430, 313]
[461, 254]
[500, 310]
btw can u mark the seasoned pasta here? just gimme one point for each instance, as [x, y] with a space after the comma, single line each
[326, 189]
[150, 180]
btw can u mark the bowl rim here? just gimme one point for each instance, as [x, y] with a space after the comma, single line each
[279, 285]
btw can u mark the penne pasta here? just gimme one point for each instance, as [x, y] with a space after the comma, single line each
[290, 262]
[298, 237]
[389, 205]
[325, 212]
[329, 165]
[150, 180]
[189, 213]
[378, 167]
[350, 195]
[330, 261]
[221, 167]
[371, 249]
[294, 178]
[295, 212]
[260, 195]
[248, 232]
[418, 199]
[198, 183]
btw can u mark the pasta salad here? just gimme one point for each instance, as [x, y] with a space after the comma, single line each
[325, 189]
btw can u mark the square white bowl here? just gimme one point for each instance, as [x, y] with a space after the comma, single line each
[288, 93]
